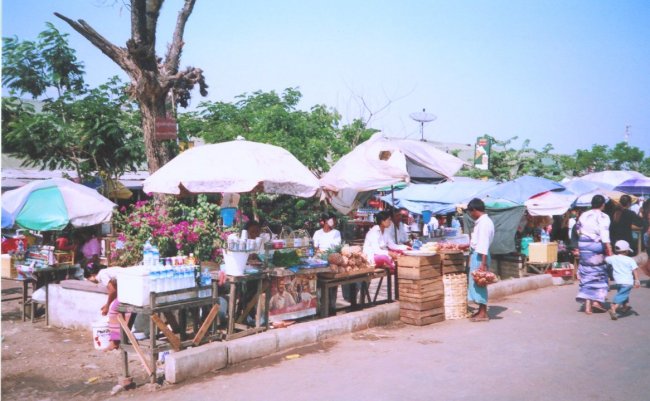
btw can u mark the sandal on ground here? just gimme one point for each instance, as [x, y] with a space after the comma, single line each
[598, 308]
[612, 314]
[479, 319]
[625, 309]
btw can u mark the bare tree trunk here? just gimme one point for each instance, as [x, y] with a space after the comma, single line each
[157, 154]
[152, 78]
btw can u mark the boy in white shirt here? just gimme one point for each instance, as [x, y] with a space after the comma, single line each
[626, 276]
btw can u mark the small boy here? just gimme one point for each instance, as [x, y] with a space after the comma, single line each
[626, 276]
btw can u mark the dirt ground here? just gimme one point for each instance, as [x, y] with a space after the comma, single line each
[51, 363]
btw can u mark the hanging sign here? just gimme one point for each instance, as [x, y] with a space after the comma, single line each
[166, 128]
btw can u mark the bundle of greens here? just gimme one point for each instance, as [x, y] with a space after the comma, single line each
[285, 258]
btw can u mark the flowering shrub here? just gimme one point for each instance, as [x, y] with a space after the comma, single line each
[175, 228]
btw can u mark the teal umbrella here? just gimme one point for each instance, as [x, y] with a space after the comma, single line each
[53, 204]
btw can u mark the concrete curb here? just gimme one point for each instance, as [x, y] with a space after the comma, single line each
[192, 362]
[515, 286]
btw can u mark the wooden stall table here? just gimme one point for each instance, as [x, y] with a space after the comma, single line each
[362, 278]
[538, 267]
[239, 307]
[44, 276]
[177, 338]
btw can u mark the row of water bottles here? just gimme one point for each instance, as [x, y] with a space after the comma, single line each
[165, 276]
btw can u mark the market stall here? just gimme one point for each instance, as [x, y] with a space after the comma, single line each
[48, 205]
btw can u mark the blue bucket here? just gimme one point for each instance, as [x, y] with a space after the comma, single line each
[524, 244]
[228, 215]
[426, 216]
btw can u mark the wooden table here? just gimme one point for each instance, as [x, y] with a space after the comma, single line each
[47, 275]
[362, 279]
[239, 307]
[178, 337]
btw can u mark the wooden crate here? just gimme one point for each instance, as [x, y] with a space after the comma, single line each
[414, 273]
[421, 318]
[8, 266]
[452, 262]
[64, 258]
[421, 306]
[418, 261]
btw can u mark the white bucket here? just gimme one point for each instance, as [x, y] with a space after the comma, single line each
[235, 263]
[101, 334]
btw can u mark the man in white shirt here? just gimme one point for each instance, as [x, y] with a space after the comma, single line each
[480, 241]
[397, 239]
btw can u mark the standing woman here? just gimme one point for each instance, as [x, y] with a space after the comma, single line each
[594, 244]
[480, 241]
[375, 247]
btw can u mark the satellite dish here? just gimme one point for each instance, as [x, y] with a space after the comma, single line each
[422, 117]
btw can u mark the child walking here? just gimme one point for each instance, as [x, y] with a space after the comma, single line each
[626, 276]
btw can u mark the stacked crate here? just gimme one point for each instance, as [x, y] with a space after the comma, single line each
[421, 294]
[452, 262]
[455, 284]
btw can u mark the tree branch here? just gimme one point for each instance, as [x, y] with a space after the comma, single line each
[174, 53]
[142, 45]
[115, 53]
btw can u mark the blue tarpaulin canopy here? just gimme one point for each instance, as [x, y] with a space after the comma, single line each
[440, 198]
[520, 189]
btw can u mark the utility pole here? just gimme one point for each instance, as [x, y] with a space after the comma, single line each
[627, 134]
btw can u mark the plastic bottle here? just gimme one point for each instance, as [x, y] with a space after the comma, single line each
[155, 255]
[154, 279]
[146, 253]
[206, 280]
[544, 237]
[310, 250]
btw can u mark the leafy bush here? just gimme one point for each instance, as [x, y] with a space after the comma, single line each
[175, 227]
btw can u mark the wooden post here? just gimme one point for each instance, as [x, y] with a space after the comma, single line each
[134, 342]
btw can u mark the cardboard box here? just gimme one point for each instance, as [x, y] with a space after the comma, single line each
[539, 252]
[8, 266]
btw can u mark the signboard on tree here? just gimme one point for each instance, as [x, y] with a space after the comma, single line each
[166, 128]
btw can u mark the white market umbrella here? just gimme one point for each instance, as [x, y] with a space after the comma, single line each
[51, 204]
[381, 162]
[233, 167]
[611, 178]
[551, 203]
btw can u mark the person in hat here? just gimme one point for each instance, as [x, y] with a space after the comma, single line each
[626, 275]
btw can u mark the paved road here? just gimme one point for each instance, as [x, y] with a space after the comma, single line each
[536, 347]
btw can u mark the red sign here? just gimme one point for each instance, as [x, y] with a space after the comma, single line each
[166, 128]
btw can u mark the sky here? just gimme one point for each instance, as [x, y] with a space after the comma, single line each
[568, 73]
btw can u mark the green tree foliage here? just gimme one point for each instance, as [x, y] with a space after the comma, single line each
[97, 132]
[601, 157]
[314, 136]
[32, 67]
[508, 163]
[89, 130]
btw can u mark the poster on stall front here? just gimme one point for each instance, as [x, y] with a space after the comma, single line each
[293, 297]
